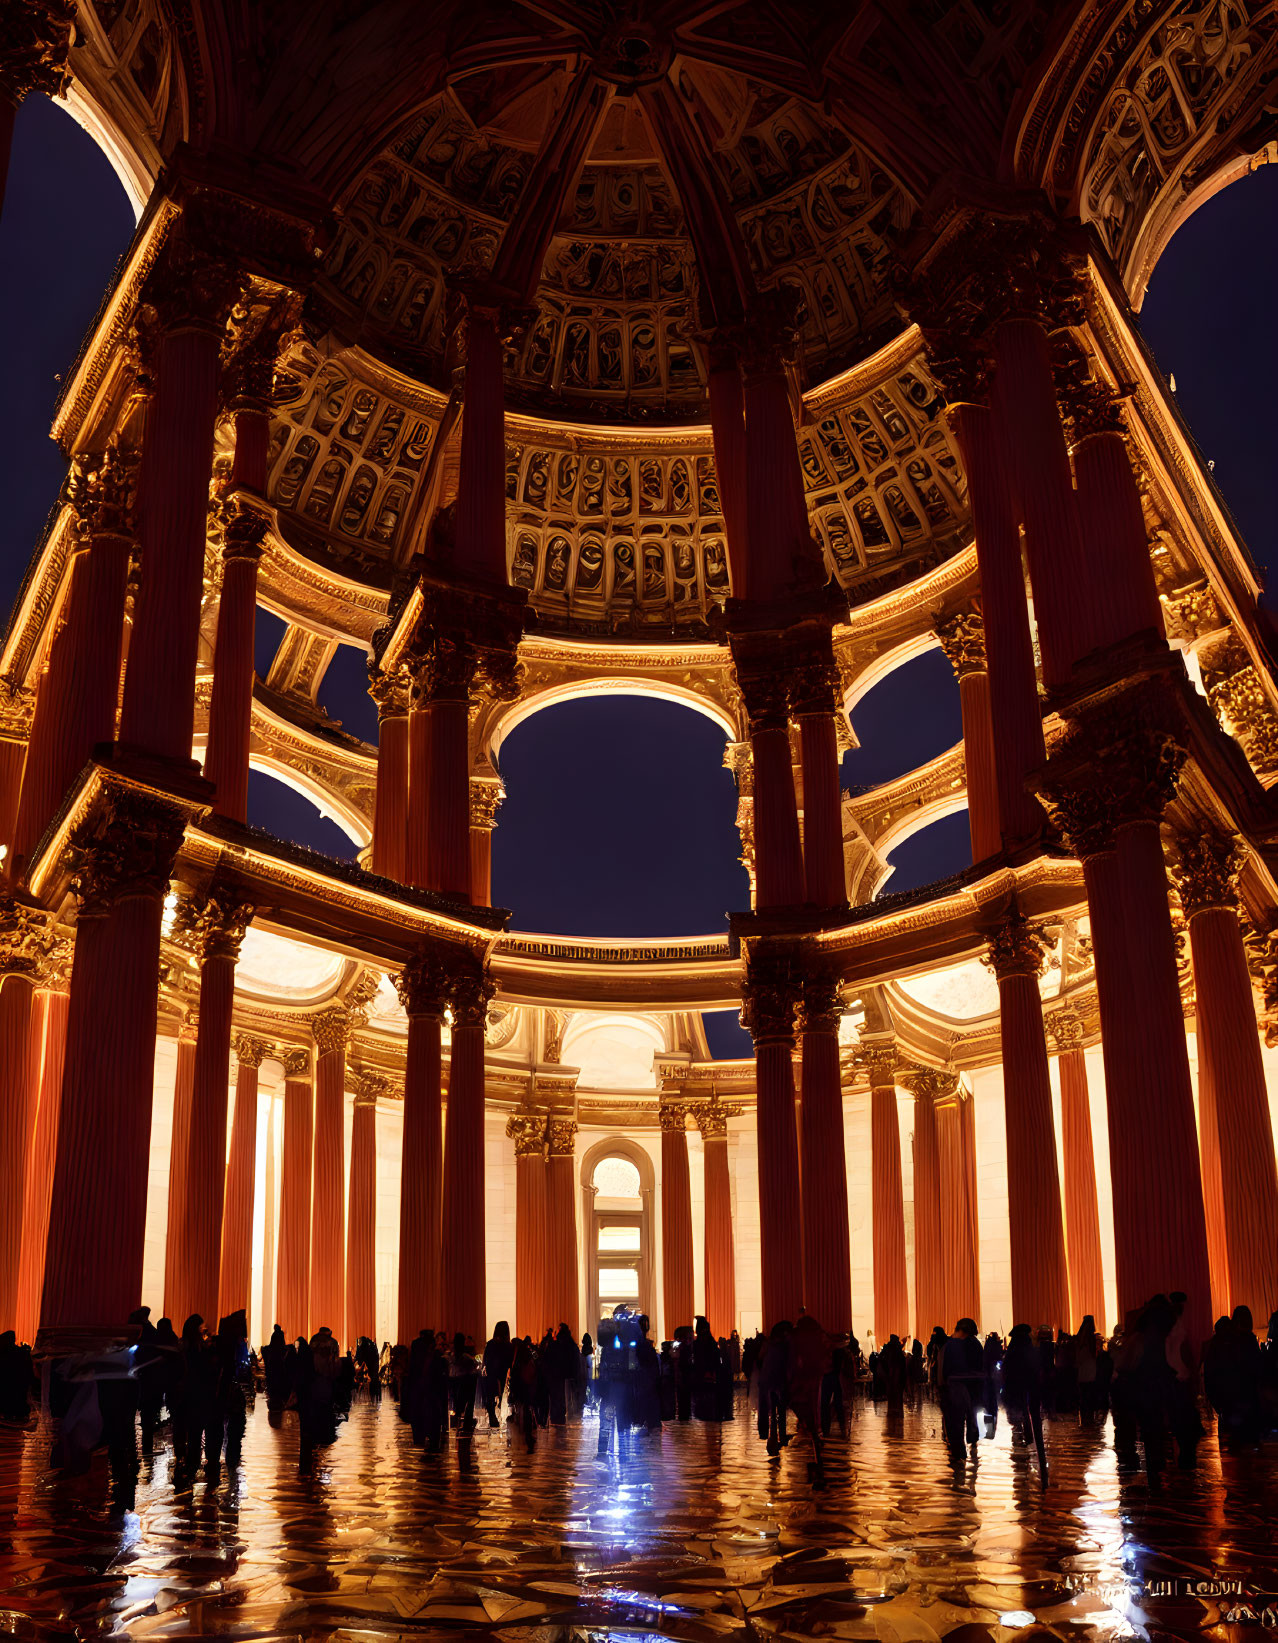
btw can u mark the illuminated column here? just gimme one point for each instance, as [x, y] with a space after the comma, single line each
[931, 1302]
[1040, 1287]
[721, 1267]
[485, 801]
[23, 936]
[676, 1220]
[778, 853]
[390, 811]
[480, 514]
[464, 1281]
[215, 926]
[962, 639]
[423, 991]
[887, 1203]
[769, 999]
[226, 762]
[1122, 594]
[1082, 1216]
[332, 1029]
[1015, 716]
[827, 1250]
[1231, 1071]
[1043, 486]
[778, 535]
[97, 1216]
[49, 1042]
[561, 1219]
[293, 1285]
[438, 846]
[235, 1278]
[176, 1285]
[1107, 785]
[533, 1272]
[192, 294]
[816, 696]
[361, 1227]
[417, 813]
[76, 705]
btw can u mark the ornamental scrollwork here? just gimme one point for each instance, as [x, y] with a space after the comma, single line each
[35, 44]
[673, 1118]
[297, 1064]
[930, 1084]
[332, 1030]
[962, 637]
[28, 943]
[528, 1131]
[1066, 1028]
[367, 1086]
[213, 924]
[561, 1137]
[101, 488]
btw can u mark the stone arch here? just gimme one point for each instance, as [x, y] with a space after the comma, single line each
[596, 1223]
[513, 714]
[908, 649]
[352, 821]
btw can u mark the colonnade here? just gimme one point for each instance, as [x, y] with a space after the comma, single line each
[1107, 785]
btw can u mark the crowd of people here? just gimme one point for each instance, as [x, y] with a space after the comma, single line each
[200, 1385]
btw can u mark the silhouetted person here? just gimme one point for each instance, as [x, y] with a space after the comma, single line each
[808, 1362]
[774, 1387]
[1023, 1390]
[960, 1374]
[426, 1393]
[523, 1392]
[1087, 1370]
[705, 1373]
[684, 1371]
[15, 1379]
[366, 1357]
[498, 1355]
[278, 1358]
[587, 1372]
[463, 1375]
[895, 1372]
[991, 1358]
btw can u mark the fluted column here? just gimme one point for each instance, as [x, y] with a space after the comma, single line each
[215, 925]
[332, 1029]
[770, 995]
[1014, 713]
[479, 549]
[676, 1219]
[75, 708]
[778, 850]
[293, 1283]
[242, 529]
[23, 935]
[533, 1257]
[815, 702]
[720, 1250]
[235, 1276]
[561, 1220]
[887, 1202]
[1122, 594]
[1231, 1074]
[1107, 785]
[1040, 1286]
[361, 1222]
[1082, 1215]
[390, 804]
[192, 294]
[438, 843]
[16, 713]
[464, 1279]
[49, 1042]
[423, 991]
[962, 639]
[97, 1216]
[827, 1250]
[485, 801]
[1043, 485]
[931, 1303]
[176, 1284]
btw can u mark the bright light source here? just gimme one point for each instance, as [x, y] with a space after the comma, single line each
[1016, 1617]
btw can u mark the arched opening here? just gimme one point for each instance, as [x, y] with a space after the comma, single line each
[280, 807]
[343, 693]
[619, 820]
[932, 852]
[904, 720]
[617, 1182]
[64, 198]
[1207, 319]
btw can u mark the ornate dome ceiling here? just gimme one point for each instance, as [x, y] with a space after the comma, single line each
[621, 299]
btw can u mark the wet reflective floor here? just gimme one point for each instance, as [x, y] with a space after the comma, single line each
[695, 1535]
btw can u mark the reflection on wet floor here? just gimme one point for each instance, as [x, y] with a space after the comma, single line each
[694, 1535]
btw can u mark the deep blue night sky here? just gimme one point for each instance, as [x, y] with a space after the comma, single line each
[619, 815]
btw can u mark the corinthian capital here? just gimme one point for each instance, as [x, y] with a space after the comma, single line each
[821, 1004]
[35, 43]
[472, 988]
[1017, 948]
[390, 692]
[242, 525]
[528, 1131]
[193, 286]
[101, 487]
[1204, 869]
[962, 637]
[770, 995]
[297, 1063]
[561, 1136]
[929, 1083]
[673, 1117]
[251, 1052]
[27, 941]
[125, 849]
[423, 985]
[1066, 1029]
[213, 925]
[332, 1030]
